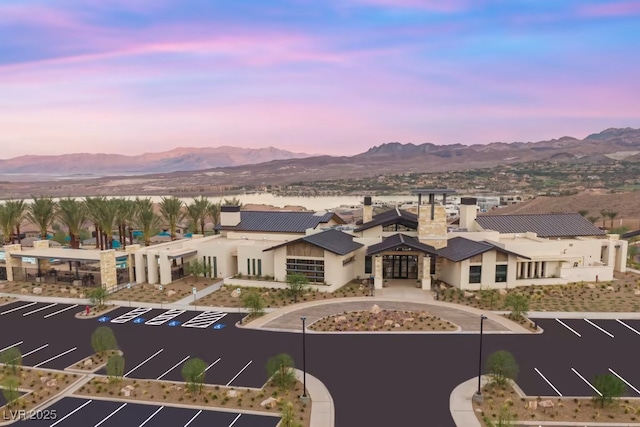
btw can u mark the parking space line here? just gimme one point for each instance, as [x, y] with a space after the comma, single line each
[585, 380]
[55, 357]
[110, 415]
[241, 371]
[172, 368]
[151, 416]
[234, 420]
[624, 381]
[71, 413]
[627, 326]
[144, 361]
[10, 346]
[164, 317]
[33, 351]
[18, 308]
[568, 327]
[40, 309]
[60, 311]
[130, 315]
[548, 382]
[598, 327]
[193, 418]
[219, 358]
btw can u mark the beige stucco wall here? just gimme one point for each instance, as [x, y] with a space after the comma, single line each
[334, 272]
[255, 250]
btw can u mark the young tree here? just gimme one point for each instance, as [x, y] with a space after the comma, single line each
[517, 303]
[198, 268]
[489, 297]
[103, 339]
[98, 297]
[280, 370]
[288, 415]
[12, 359]
[501, 365]
[609, 386]
[505, 418]
[253, 302]
[10, 390]
[115, 368]
[193, 373]
[297, 284]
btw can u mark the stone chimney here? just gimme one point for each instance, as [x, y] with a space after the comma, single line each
[432, 223]
[229, 216]
[367, 210]
[468, 213]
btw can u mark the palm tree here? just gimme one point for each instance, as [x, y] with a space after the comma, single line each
[124, 219]
[146, 219]
[214, 213]
[605, 214]
[171, 211]
[94, 205]
[73, 214]
[41, 213]
[16, 209]
[198, 211]
[593, 219]
[612, 215]
[234, 201]
[6, 226]
[106, 219]
[193, 215]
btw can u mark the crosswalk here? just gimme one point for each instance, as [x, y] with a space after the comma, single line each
[164, 317]
[131, 315]
[204, 319]
[170, 317]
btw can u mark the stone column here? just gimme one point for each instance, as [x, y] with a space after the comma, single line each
[43, 264]
[152, 267]
[141, 275]
[426, 270]
[378, 280]
[108, 269]
[12, 262]
[538, 269]
[131, 260]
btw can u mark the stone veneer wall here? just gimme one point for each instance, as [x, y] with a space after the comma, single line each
[432, 232]
[44, 264]
[11, 261]
[108, 269]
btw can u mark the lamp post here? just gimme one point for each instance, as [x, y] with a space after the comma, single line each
[304, 359]
[478, 396]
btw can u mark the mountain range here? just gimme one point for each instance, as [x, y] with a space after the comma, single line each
[241, 166]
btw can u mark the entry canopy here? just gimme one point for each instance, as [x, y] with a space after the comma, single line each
[65, 254]
[399, 242]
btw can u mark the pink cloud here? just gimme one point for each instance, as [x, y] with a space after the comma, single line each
[624, 8]
[443, 6]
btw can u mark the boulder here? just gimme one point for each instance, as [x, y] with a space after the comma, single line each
[175, 387]
[503, 292]
[375, 309]
[546, 404]
[388, 322]
[88, 362]
[233, 393]
[340, 319]
[24, 291]
[171, 293]
[636, 292]
[442, 287]
[407, 320]
[423, 315]
[591, 286]
[468, 294]
[235, 293]
[269, 403]
[37, 290]
[610, 288]
[397, 325]
[52, 382]
[265, 294]
[361, 287]
[73, 291]
[43, 380]
[81, 295]
[64, 290]
[532, 404]
[125, 392]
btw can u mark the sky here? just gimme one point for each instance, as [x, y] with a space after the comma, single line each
[330, 76]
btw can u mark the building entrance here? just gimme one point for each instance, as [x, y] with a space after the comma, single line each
[400, 267]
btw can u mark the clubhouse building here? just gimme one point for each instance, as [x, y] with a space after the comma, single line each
[258, 248]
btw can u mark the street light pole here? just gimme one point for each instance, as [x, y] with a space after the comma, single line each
[478, 395]
[304, 358]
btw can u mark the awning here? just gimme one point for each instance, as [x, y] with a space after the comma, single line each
[65, 254]
[181, 253]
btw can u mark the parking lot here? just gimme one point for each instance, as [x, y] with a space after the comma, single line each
[79, 412]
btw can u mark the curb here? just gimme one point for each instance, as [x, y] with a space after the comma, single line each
[322, 407]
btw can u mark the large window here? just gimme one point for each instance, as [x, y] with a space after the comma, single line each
[501, 273]
[397, 227]
[475, 273]
[313, 269]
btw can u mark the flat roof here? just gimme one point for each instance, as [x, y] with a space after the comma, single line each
[64, 254]
[433, 191]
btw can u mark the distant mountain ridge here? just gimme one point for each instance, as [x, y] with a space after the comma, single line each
[178, 159]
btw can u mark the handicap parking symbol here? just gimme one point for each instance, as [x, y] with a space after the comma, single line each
[173, 323]
[138, 320]
[103, 319]
[218, 326]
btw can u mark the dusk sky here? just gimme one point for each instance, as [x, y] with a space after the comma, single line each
[330, 76]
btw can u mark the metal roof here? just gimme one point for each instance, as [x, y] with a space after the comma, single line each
[331, 240]
[397, 241]
[544, 225]
[393, 216]
[630, 234]
[280, 222]
[460, 248]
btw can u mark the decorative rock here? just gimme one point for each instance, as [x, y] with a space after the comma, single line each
[636, 292]
[24, 291]
[388, 322]
[375, 309]
[269, 403]
[175, 387]
[125, 392]
[73, 291]
[88, 362]
[468, 294]
[80, 295]
[264, 295]
[397, 325]
[546, 404]
[502, 291]
[171, 293]
[442, 287]
[52, 382]
[340, 319]
[610, 288]
[233, 393]
[532, 404]
[361, 287]
[591, 286]
[64, 290]
[407, 320]
[235, 293]
[37, 291]
[43, 380]
[423, 315]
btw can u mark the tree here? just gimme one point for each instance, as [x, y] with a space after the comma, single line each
[103, 340]
[234, 201]
[593, 219]
[72, 214]
[609, 386]
[198, 268]
[214, 213]
[146, 219]
[297, 284]
[171, 211]
[280, 370]
[93, 206]
[6, 226]
[12, 359]
[604, 214]
[98, 297]
[489, 297]
[501, 365]
[253, 302]
[505, 418]
[107, 218]
[612, 215]
[10, 390]
[288, 415]
[16, 210]
[125, 219]
[115, 368]
[198, 212]
[193, 373]
[583, 212]
[518, 303]
[41, 213]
